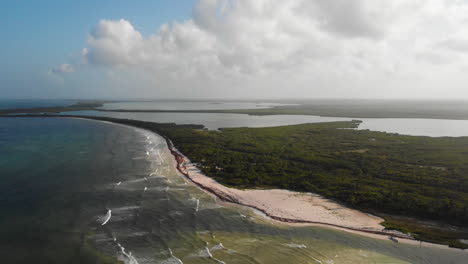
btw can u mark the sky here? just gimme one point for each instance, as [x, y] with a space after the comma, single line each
[234, 49]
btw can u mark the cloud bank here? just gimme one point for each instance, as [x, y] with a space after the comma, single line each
[293, 48]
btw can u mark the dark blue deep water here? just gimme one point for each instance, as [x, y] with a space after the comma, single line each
[49, 170]
[30, 103]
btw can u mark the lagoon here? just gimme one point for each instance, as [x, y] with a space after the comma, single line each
[213, 121]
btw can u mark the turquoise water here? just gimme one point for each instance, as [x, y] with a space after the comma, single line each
[73, 191]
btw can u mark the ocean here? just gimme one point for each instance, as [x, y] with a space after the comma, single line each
[81, 191]
[31, 103]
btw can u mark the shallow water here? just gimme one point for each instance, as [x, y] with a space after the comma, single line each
[119, 186]
[213, 121]
[189, 105]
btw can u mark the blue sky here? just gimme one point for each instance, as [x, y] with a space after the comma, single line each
[38, 35]
[414, 49]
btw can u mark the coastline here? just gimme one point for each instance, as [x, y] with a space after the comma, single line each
[186, 168]
[183, 162]
[364, 223]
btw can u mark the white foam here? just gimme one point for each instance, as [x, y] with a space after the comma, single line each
[316, 260]
[125, 208]
[119, 183]
[155, 172]
[131, 259]
[197, 205]
[157, 177]
[208, 252]
[159, 154]
[211, 255]
[106, 218]
[176, 258]
[157, 189]
[175, 213]
[218, 247]
[291, 245]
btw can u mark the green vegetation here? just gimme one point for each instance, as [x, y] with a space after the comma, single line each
[53, 109]
[427, 231]
[365, 109]
[381, 173]
[333, 108]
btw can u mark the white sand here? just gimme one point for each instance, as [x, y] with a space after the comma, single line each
[288, 206]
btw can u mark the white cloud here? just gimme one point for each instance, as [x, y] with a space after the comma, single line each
[57, 74]
[315, 47]
[62, 69]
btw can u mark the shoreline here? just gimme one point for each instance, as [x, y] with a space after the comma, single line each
[225, 198]
[233, 200]
[181, 160]
[228, 199]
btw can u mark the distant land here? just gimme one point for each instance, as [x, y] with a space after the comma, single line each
[329, 108]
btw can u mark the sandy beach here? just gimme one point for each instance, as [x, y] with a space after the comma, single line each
[293, 208]
[288, 206]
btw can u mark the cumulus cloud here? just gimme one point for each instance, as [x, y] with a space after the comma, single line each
[348, 47]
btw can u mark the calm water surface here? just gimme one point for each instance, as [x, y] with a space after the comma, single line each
[405, 126]
[189, 105]
[30, 103]
[65, 181]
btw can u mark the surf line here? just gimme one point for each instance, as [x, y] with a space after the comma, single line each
[176, 258]
[128, 255]
[180, 159]
[211, 255]
[107, 217]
